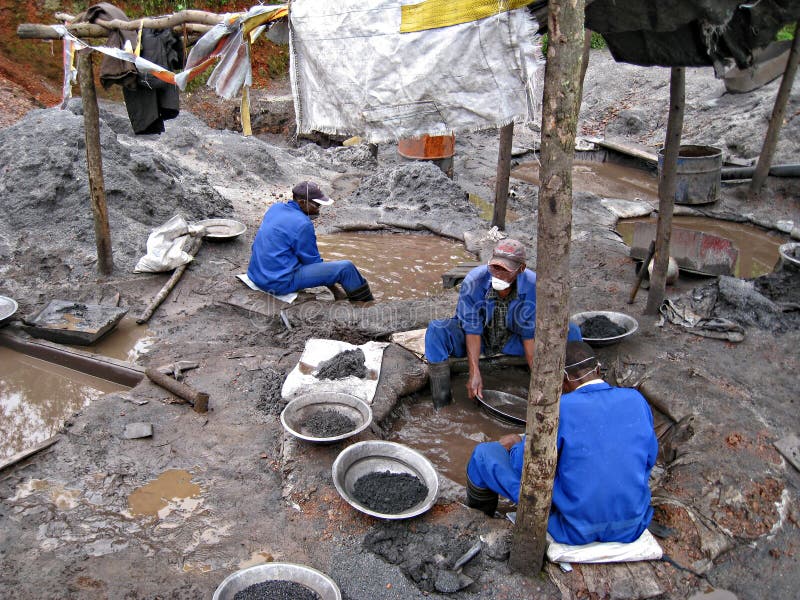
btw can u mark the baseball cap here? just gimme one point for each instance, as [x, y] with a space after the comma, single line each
[509, 254]
[308, 190]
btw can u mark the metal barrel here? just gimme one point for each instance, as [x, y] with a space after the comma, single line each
[699, 174]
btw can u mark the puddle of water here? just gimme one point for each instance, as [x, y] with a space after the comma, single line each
[153, 497]
[127, 341]
[602, 178]
[448, 436]
[398, 266]
[37, 396]
[717, 594]
[758, 249]
[256, 558]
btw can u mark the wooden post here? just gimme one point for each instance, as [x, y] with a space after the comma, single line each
[94, 162]
[503, 175]
[587, 46]
[776, 120]
[666, 190]
[560, 106]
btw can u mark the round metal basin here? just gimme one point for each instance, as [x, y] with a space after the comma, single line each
[625, 321]
[222, 229]
[506, 407]
[8, 306]
[323, 585]
[299, 410]
[784, 251]
[378, 456]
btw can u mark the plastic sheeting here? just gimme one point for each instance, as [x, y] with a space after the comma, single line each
[165, 246]
[354, 73]
[644, 548]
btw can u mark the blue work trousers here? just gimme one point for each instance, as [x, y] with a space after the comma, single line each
[445, 338]
[327, 273]
[490, 467]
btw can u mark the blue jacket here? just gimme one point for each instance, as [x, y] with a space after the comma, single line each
[474, 310]
[285, 241]
[606, 450]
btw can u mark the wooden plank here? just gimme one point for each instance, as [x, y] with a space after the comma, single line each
[20, 456]
[629, 150]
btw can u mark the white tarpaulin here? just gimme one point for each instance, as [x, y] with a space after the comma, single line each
[354, 72]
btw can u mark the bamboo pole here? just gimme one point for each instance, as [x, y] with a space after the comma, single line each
[776, 120]
[35, 31]
[666, 189]
[171, 283]
[94, 162]
[503, 175]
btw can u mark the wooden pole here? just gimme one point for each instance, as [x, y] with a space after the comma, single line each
[560, 106]
[198, 400]
[776, 120]
[666, 189]
[94, 162]
[503, 175]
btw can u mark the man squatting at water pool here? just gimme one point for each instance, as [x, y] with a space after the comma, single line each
[606, 450]
[285, 257]
[496, 313]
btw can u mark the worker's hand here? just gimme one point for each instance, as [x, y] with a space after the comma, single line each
[507, 441]
[475, 385]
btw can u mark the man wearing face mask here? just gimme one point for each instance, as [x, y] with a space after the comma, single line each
[495, 314]
[285, 257]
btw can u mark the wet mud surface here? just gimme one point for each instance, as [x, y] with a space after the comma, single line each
[389, 493]
[66, 528]
[344, 364]
[276, 590]
[328, 423]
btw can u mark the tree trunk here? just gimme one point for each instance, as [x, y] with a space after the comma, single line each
[94, 162]
[776, 120]
[666, 190]
[561, 103]
[503, 175]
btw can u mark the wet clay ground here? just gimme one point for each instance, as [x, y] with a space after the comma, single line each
[233, 489]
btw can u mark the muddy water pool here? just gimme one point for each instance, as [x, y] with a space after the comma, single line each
[398, 266]
[758, 248]
[37, 396]
[605, 179]
[448, 436]
[127, 341]
[153, 499]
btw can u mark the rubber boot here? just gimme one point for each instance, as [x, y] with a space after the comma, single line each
[482, 499]
[440, 384]
[361, 294]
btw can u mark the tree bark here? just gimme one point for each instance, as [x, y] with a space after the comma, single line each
[776, 120]
[561, 103]
[94, 162]
[503, 175]
[666, 190]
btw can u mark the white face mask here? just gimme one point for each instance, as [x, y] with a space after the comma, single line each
[500, 285]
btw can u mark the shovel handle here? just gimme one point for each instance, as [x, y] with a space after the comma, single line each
[640, 276]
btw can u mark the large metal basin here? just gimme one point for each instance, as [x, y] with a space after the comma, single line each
[298, 411]
[784, 251]
[625, 321]
[8, 306]
[378, 456]
[323, 585]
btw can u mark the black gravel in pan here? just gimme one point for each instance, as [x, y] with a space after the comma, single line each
[600, 326]
[389, 493]
[277, 589]
[328, 423]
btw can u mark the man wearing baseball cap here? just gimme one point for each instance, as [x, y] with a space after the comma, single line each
[285, 257]
[495, 314]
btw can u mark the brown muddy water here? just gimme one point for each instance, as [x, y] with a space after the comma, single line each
[153, 499]
[36, 397]
[127, 341]
[605, 179]
[448, 436]
[398, 266]
[758, 248]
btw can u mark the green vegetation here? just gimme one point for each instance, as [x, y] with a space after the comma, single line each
[787, 33]
[597, 42]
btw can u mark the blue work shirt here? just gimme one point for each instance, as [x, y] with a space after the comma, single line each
[606, 450]
[285, 241]
[474, 309]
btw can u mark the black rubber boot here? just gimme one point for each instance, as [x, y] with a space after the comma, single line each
[440, 384]
[482, 499]
[361, 294]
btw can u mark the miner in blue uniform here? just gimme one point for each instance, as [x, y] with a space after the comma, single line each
[495, 314]
[285, 257]
[606, 450]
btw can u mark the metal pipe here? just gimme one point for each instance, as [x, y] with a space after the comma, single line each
[792, 170]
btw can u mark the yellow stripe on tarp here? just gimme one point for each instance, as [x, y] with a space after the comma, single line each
[432, 14]
[245, 112]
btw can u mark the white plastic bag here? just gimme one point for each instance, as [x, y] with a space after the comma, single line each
[165, 246]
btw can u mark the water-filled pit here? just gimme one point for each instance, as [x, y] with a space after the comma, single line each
[127, 341]
[447, 436]
[37, 396]
[758, 248]
[398, 266]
